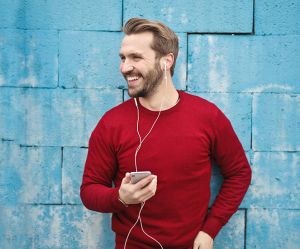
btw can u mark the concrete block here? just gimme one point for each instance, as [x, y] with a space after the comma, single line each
[243, 63]
[11, 14]
[57, 227]
[237, 107]
[90, 59]
[60, 117]
[55, 14]
[273, 228]
[28, 58]
[29, 174]
[72, 170]
[231, 235]
[275, 181]
[195, 16]
[277, 17]
[276, 122]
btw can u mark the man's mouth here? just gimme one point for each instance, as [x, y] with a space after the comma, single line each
[132, 79]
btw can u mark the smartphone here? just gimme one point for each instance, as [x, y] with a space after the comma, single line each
[139, 175]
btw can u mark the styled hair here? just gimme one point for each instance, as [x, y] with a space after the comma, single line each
[165, 41]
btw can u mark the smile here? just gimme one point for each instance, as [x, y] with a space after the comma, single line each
[132, 78]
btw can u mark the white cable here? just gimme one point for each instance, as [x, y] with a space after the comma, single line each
[135, 162]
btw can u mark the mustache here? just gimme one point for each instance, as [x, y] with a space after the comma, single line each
[132, 73]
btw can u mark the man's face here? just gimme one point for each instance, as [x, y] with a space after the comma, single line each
[139, 66]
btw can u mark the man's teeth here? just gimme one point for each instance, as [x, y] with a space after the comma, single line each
[132, 78]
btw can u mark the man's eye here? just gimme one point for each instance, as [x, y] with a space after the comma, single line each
[136, 58]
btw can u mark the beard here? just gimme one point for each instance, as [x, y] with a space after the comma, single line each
[151, 81]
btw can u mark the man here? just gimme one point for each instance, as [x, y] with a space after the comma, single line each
[174, 135]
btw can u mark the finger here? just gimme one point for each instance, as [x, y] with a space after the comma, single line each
[144, 182]
[148, 191]
[196, 246]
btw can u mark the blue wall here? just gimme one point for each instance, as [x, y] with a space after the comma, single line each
[59, 74]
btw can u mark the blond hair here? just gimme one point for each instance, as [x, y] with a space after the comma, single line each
[165, 41]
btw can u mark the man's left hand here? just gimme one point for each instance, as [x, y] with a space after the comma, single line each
[203, 241]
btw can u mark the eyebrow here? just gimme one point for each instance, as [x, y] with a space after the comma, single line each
[131, 54]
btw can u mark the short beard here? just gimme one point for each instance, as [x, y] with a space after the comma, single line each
[151, 82]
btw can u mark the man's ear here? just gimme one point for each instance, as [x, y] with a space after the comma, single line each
[167, 61]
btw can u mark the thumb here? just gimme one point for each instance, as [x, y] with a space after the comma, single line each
[127, 178]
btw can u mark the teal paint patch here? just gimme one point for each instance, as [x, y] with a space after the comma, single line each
[232, 234]
[55, 14]
[60, 117]
[273, 228]
[28, 58]
[195, 16]
[29, 174]
[90, 59]
[72, 170]
[276, 122]
[277, 17]
[275, 181]
[54, 227]
[243, 63]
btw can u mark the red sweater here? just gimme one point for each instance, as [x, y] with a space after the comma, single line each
[179, 151]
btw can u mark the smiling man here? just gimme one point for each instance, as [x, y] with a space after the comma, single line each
[175, 136]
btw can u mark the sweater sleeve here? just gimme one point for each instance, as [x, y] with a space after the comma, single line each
[229, 155]
[96, 190]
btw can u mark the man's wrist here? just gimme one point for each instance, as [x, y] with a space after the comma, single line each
[123, 202]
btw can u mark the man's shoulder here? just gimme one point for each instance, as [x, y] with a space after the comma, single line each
[199, 102]
[120, 111]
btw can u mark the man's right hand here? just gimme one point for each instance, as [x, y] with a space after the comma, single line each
[139, 192]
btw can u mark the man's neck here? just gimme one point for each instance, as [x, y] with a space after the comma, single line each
[167, 96]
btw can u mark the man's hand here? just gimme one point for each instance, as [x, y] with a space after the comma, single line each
[138, 192]
[203, 241]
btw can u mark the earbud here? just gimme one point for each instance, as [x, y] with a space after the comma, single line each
[165, 63]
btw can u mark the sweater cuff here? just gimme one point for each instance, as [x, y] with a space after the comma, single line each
[117, 205]
[212, 226]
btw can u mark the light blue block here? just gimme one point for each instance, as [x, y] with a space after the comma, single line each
[90, 59]
[72, 170]
[61, 117]
[243, 63]
[55, 227]
[195, 16]
[29, 174]
[55, 14]
[275, 181]
[28, 58]
[231, 235]
[237, 107]
[11, 14]
[277, 17]
[276, 122]
[273, 228]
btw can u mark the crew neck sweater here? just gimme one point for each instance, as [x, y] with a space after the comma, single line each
[179, 150]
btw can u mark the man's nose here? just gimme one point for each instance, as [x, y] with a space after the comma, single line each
[125, 67]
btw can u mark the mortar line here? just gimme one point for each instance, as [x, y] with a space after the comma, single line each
[61, 165]
[58, 59]
[251, 123]
[245, 229]
[253, 18]
[122, 15]
[187, 62]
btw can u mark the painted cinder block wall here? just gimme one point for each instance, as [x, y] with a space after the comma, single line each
[59, 74]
